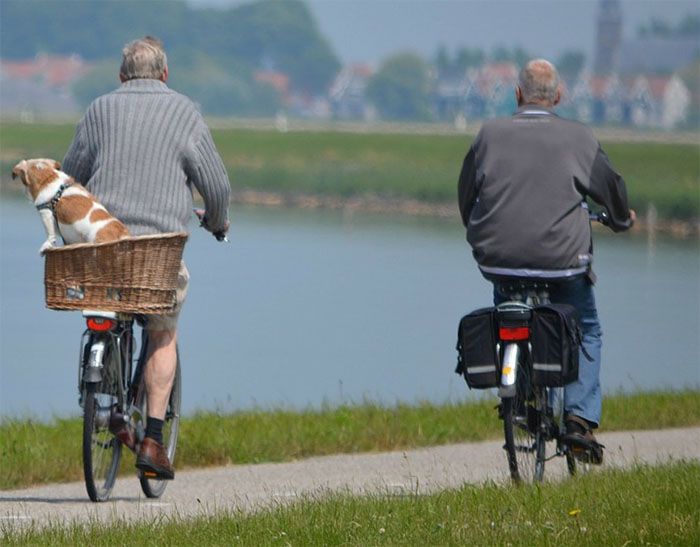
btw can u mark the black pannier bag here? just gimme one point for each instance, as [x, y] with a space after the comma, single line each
[477, 358]
[556, 340]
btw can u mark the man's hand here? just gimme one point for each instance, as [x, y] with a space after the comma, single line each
[220, 235]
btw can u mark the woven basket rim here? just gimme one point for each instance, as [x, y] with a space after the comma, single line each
[72, 246]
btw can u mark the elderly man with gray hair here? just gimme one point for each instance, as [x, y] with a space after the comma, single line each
[141, 150]
[523, 193]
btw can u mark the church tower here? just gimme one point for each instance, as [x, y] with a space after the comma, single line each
[609, 37]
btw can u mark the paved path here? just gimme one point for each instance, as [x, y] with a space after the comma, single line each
[206, 491]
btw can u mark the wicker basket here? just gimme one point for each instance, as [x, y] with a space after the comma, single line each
[132, 275]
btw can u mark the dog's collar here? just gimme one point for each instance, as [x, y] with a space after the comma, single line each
[51, 204]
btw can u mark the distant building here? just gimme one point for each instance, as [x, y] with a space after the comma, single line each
[598, 99]
[52, 70]
[657, 55]
[639, 100]
[608, 37]
[348, 93]
[40, 86]
[490, 91]
[277, 80]
[657, 101]
[645, 55]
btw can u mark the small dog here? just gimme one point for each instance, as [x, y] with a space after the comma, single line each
[65, 206]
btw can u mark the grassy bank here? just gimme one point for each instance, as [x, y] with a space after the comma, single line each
[405, 166]
[34, 453]
[643, 506]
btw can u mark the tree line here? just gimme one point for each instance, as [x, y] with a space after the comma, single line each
[213, 53]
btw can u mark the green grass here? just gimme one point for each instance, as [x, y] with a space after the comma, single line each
[32, 452]
[643, 506]
[423, 167]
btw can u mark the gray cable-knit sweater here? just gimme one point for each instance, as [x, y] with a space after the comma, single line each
[140, 149]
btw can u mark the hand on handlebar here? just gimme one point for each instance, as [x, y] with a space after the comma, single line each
[604, 218]
[220, 235]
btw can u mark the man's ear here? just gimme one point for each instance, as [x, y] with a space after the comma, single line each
[518, 95]
[122, 78]
[557, 98]
[164, 77]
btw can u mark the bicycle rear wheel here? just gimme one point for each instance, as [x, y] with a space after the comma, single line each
[154, 488]
[101, 449]
[522, 427]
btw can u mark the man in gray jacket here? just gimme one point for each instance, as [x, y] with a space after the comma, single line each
[140, 150]
[522, 197]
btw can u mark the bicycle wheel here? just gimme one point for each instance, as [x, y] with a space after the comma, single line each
[154, 488]
[522, 427]
[101, 450]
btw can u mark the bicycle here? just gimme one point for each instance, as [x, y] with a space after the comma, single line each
[495, 351]
[113, 397]
[533, 415]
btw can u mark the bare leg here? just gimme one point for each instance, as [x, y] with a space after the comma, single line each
[160, 370]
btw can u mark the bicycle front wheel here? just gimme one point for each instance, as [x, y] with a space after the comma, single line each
[522, 427]
[101, 449]
[154, 488]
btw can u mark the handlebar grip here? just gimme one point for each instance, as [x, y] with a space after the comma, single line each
[601, 216]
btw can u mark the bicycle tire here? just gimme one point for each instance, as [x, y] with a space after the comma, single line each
[101, 449]
[154, 488]
[525, 440]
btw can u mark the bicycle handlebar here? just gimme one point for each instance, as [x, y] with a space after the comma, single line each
[201, 215]
[600, 216]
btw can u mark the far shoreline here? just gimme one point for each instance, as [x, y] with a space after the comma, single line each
[374, 204]
[369, 203]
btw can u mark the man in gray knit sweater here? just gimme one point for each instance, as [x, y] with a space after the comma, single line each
[140, 149]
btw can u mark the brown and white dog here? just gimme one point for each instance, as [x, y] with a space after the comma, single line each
[65, 206]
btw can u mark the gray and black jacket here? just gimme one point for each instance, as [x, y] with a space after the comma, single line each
[522, 190]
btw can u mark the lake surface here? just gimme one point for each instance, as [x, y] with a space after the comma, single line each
[305, 308]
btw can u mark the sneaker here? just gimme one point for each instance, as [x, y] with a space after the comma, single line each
[121, 430]
[581, 441]
[153, 461]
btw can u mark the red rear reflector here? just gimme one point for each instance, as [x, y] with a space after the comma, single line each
[514, 333]
[100, 324]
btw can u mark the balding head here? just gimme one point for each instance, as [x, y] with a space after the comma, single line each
[538, 84]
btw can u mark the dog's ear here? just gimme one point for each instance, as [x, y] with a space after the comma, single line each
[57, 165]
[20, 170]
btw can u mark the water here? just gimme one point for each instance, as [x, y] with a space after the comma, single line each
[305, 308]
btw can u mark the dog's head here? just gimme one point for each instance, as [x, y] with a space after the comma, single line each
[36, 174]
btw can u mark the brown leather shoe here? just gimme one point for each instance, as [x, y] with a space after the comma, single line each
[153, 461]
[581, 441]
[121, 430]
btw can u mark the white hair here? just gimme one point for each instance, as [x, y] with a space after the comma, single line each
[539, 82]
[143, 58]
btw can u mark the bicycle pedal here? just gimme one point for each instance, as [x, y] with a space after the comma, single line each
[150, 474]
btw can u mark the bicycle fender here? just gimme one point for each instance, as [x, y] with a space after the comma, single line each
[92, 371]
